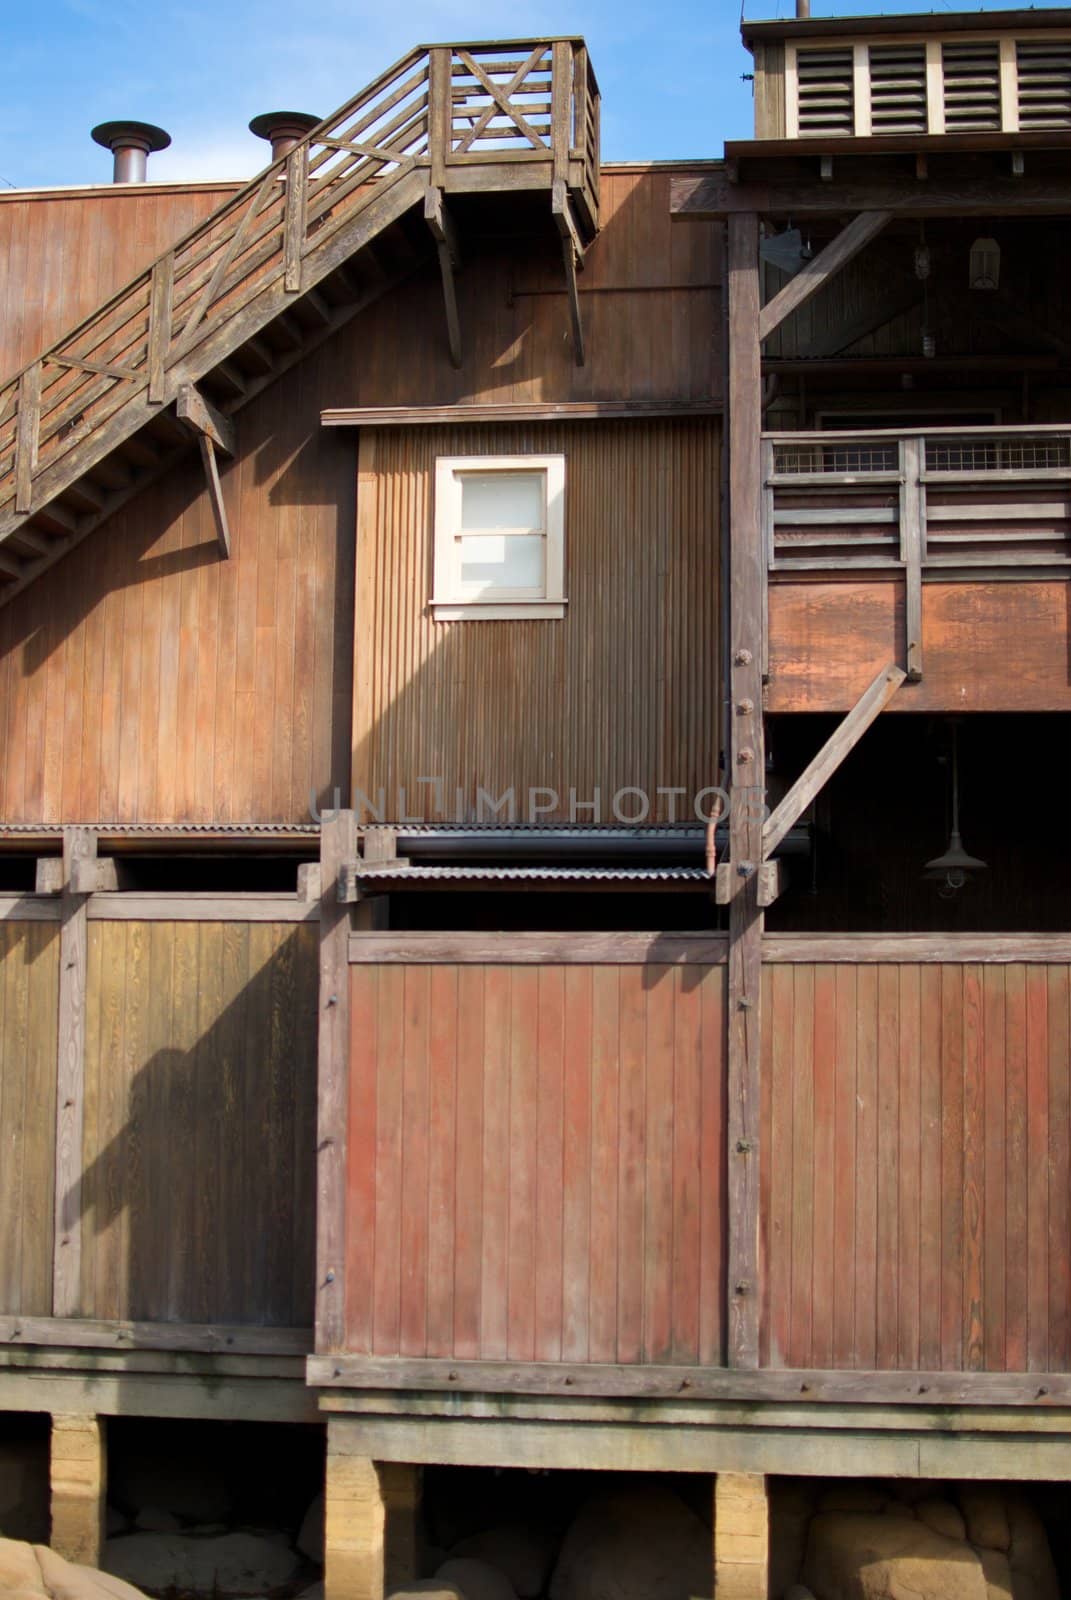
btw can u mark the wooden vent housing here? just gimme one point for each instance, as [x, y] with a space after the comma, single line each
[984, 83]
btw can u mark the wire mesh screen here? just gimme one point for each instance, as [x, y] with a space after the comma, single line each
[839, 458]
[997, 455]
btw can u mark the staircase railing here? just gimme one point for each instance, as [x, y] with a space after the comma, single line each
[445, 108]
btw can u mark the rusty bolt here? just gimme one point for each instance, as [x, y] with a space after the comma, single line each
[745, 756]
[745, 708]
[743, 658]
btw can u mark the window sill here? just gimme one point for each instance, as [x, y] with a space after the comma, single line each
[498, 610]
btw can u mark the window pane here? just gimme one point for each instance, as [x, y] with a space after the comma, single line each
[491, 563]
[501, 500]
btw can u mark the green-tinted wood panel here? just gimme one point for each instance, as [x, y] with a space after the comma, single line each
[29, 974]
[198, 1200]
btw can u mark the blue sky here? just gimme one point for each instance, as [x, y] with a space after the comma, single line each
[202, 68]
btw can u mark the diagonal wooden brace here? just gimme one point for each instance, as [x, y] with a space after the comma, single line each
[818, 271]
[840, 743]
[214, 432]
[441, 224]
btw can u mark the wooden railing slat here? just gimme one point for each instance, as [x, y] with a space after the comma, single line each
[29, 420]
[163, 282]
[297, 174]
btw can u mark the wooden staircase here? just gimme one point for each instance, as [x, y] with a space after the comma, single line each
[278, 268]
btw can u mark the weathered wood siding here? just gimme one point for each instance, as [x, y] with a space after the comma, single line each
[66, 251]
[29, 978]
[536, 1163]
[622, 692]
[198, 1201]
[917, 1166]
[986, 646]
[145, 680]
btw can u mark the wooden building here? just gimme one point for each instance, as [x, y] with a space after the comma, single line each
[488, 961]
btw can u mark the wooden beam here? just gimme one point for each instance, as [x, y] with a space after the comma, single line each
[711, 196]
[747, 578]
[85, 1333]
[540, 949]
[513, 411]
[741, 1536]
[215, 494]
[821, 768]
[204, 420]
[79, 844]
[821, 268]
[97, 875]
[338, 844]
[810, 1389]
[49, 875]
[440, 222]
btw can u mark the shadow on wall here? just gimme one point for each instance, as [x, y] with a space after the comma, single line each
[198, 1199]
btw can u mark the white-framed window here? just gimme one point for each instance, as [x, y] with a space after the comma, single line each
[499, 538]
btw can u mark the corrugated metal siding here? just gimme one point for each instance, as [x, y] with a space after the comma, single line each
[917, 1168]
[623, 692]
[536, 1163]
[29, 982]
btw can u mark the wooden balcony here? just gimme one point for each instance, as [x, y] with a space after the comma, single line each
[946, 549]
[278, 268]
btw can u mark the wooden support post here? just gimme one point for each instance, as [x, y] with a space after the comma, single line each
[297, 177]
[741, 1536]
[443, 232]
[370, 1519]
[160, 297]
[79, 1485]
[26, 430]
[573, 261]
[818, 271]
[560, 96]
[79, 845]
[215, 495]
[747, 765]
[912, 534]
[440, 111]
[338, 844]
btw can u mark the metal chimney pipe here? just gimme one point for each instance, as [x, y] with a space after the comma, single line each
[803, 10]
[283, 129]
[131, 144]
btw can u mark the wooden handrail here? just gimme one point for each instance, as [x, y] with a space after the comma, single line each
[164, 326]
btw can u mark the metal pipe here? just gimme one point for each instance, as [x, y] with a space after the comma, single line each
[283, 129]
[131, 144]
[803, 10]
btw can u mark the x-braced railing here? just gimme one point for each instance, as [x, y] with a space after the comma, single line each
[529, 109]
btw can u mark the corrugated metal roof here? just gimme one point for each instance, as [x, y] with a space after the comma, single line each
[383, 872]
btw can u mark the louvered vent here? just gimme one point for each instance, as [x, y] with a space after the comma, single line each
[972, 86]
[898, 88]
[1044, 83]
[824, 79]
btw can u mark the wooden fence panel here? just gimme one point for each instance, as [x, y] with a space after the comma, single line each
[536, 1163]
[29, 1012]
[917, 1162]
[198, 1196]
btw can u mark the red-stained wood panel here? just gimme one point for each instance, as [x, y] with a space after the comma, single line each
[916, 1207]
[537, 1163]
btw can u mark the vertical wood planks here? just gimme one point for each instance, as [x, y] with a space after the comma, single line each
[195, 1192]
[916, 1212]
[536, 1163]
[29, 989]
